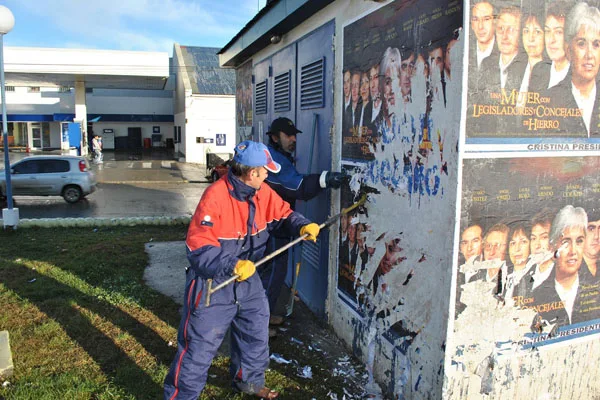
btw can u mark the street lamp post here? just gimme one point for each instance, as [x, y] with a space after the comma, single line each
[10, 215]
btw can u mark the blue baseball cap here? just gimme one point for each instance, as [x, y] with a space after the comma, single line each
[255, 154]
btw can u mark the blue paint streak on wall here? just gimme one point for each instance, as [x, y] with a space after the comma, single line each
[400, 173]
[417, 383]
[394, 174]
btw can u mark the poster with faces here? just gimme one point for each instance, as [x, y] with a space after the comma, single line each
[532, 72]
[530, 245]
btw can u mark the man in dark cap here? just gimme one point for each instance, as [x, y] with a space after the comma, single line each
[291, 186]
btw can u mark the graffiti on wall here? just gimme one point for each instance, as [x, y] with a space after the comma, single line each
[398, 93]
[400, 112]
[530, 74]
[243, 100]
[530, 241]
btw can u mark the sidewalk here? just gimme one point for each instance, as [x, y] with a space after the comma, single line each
[156, 166]
[151, 171]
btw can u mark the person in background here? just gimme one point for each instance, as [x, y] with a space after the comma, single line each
[97, 146]
[591, 250]
[558, 296]
[346, 120]
[471, 249]
[291, 186]
[545, 75]
[364, 114]
[390, 88]
[407, 70]
[376, 101]
[579, 91]
[518, 252]
[532, 31]
[227, 235]
[483, 25]
[494, 249]
[506, 71]
[539, 248]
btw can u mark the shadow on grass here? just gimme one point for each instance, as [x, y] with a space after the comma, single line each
[59, 302]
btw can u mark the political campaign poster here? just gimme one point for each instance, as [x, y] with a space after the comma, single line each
[243, 100]
[530, 247]
[532, 72]
[397, 69]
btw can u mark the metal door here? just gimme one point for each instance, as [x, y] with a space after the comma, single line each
[262, 98]
[36, 136]
[314, 117]
[283, 84]
[75, 136]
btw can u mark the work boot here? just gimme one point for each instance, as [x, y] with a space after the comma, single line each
[272, 333]
[276, 320]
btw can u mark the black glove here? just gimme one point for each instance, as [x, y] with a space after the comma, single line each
[336, 179]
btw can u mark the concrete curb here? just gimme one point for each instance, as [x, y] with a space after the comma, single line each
[146, 182]
[96, 222]
[6, 363]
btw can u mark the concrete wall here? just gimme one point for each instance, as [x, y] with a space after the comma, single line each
[50, 100]
[524, 319]
[487, 270]
[113, 101]
[396, 323]
[183, 86]
[46, 101]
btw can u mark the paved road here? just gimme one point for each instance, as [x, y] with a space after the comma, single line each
[127, 188]
[119, 200]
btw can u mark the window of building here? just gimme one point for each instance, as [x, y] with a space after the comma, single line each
[33, 89]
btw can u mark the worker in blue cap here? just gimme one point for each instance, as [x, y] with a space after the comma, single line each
[228, 233]
[291, 186]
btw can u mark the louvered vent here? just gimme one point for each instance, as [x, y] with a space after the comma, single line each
[312, 85]
[260, 97]
[282, 89]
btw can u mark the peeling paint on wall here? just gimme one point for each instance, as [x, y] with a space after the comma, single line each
[525, 276]
[394, 272]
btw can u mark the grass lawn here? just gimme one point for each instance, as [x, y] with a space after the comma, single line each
[83, 325]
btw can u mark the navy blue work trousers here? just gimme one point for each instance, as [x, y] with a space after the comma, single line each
[202, 330]
[273, 274]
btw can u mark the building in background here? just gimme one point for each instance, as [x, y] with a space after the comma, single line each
[57, 99]
[121, 95]
[204, 104]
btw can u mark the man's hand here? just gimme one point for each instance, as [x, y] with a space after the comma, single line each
[336, 179]
[311, 230]
[245, 269]
[333, 180]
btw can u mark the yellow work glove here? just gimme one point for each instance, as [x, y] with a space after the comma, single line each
[312, 230]
[245, 269]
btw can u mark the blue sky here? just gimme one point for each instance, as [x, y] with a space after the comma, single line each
[147, 25]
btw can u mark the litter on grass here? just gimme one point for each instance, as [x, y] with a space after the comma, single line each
[294, 340]
[279, 359]
[306, 372]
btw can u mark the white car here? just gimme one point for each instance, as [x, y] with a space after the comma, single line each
[66, 176]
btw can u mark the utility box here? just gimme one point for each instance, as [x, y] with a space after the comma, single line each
[472, 270]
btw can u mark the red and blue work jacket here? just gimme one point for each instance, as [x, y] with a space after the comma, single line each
[232, 222]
